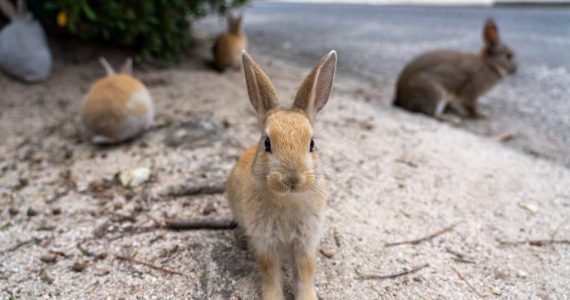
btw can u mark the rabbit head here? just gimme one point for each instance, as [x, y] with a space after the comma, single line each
[499, 57]
[234, 23]
[287, 158]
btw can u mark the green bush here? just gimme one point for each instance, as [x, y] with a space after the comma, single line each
[158, 30]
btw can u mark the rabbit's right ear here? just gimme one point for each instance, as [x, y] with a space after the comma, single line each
[22, 7]
[108, 69]
[8, 9]
[491, 33]
[261, 91]
[127, 67]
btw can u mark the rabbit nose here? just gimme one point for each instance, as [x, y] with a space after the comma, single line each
[292, 180]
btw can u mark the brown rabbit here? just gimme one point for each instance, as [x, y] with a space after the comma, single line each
[117, 107]
[229, 46]
[437, 79]
[276, 191]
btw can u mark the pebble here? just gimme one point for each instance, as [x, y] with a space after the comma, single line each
[31, 212]
[79, 266]
[210, 208]
[48, 258]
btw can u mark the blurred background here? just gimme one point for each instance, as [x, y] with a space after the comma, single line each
[375, 39]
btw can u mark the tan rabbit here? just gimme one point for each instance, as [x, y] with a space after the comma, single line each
[229, 45]
[438, 79]
[276, 191]
[117, 107]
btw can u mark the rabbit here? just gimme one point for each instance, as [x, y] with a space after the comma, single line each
[438, 79]
[228, 46]
[276, 191]
[24, 52]
[117, 107]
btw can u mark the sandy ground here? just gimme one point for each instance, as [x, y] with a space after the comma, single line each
[394, 177]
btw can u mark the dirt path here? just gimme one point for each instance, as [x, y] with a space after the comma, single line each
[394, 177]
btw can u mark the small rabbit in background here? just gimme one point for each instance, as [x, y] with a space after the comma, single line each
[438, 79]
[229, 46]
[277, 191]
[24, 52]
[117, 107]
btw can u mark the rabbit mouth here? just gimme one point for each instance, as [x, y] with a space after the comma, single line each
[288, 184]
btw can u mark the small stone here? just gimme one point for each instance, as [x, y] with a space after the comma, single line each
[13, 211]
[44, 276]
[79, 266]
[210, 208]
[528, 207]
[48, 258]
[56, 211]
[522, 274]
[496, 291]
[326, 253]
[100, 256]
[134, 177]
[31, 212]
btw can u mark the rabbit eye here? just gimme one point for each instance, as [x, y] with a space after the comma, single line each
[312, 145]
[267, 145]
[509, 56]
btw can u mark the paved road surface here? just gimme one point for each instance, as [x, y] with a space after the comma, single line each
[376, 41]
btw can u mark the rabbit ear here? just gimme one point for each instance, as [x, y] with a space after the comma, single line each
[239, 21]
[22, 7]
[316, 89]
[490, 33]
[127, 67]
[8, 9]
[261, 91]
[108, 69]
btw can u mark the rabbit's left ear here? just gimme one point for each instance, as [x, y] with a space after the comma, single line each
[22, 7]
[127, 67]
[317, 87]
[108, 69]
[8, 9]
[491, 33]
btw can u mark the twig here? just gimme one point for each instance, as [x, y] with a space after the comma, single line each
[553, 235]
[134, 261]
[21, 244]
[391, 276]
[459, 257]
[504, 137]
[537, 243]
[467, 282]
[59, 253]
[423, 239]
[200, 224]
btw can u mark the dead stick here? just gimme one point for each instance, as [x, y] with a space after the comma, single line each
[59, 253]
[391, 276]
[535, 242]
[459, 257]
[200, 224]
[467, 282]
[21, 244]
[423, 239]
[132, 260]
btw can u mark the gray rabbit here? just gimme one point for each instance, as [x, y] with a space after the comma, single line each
[448, 79]
[24, 52]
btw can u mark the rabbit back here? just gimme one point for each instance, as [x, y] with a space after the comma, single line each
[117, 108]
[24, 52]
[228, 49]
[434, 77]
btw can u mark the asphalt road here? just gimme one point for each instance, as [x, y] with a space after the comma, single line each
[375, 42]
